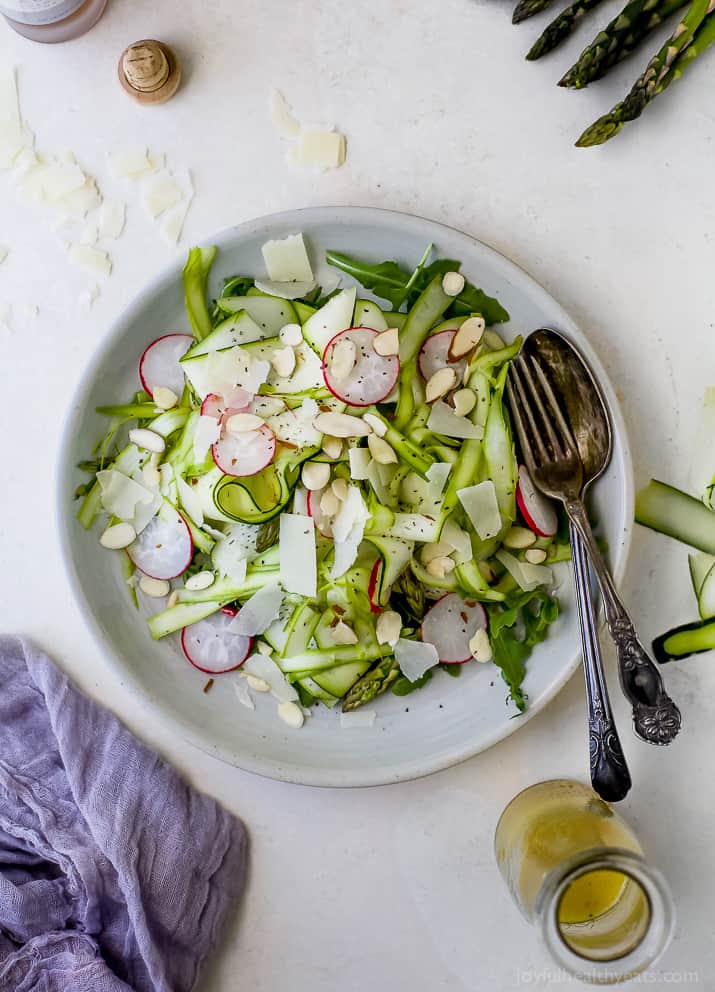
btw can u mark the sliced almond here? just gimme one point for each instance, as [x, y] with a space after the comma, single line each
[329, 503]
[381, 451]
[258, 684]
[164, 397]
[149, 440]
[536, 556]
[291, 335]
[342, 633]
[291, 714]
[378, 425]
[453, 283]
[467, 337]
[332, 446]
[519, 537]
[438, 549]
[464, 401]
[340, 488]
[118, 536]
[388, 628]
[315, 475]
[480, 646]
[202, 580]
[342, 359]
[283, 361]
[156, 588]
[387, 342]
[447, 564]
[172, 600]
[436, 568]
[241, 423]
[341, 425]
[440, 384]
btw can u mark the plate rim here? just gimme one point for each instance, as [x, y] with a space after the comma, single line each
[65, 519]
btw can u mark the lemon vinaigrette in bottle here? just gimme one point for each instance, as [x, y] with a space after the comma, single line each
[52, 20]
[577, 871]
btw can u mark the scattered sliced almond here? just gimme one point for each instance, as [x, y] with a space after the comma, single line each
[332, 446]
[536, 556]
[341, 425]
[438, 549]
[156, 588]
[492, 339]
[257, 683]
[342, 633]
[340, 488]
[149, 440]
[329, 503]
[381, 451]
[342, 359]
[453, 283]
[377, 424]
[291, 714]
[464, 401]
[291, 335]
[241, 423]
[315, 475]
[467, 337]
[118, 536]
[519, 537]
[164, 397]
[283, 361]
[388, 628]
[387, 342]
[172, 600]
[480, 646]
[440, 384]
[202, 580]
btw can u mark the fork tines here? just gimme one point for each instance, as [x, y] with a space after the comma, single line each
[544, 433]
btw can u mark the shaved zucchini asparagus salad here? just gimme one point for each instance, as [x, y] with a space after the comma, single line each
[325, 494]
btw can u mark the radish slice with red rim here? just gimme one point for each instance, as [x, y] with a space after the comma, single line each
[245, 454]
[538, 511]
[372, 378]
[434, 355]
[450, 625]
[159, 365]
[320, 519]
[215, 406]
[164, 548]
[212, 647]
[372, 587]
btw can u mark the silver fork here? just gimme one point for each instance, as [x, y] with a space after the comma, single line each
[552, 457]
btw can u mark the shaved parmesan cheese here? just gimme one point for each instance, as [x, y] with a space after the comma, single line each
[130, 163]
[258, 612]
[308, 409]
[413, 527]
[190, 501]
[460, 540]
[319, 149]
[172, 223]
[230, 559]
[282, 117]
[4, 252]
[93, 259]
[443, 420]
[222, 371]
[88, 296]
[144, 513]
[89, 234]
[352, 511]
[24, 161]
[527, 576]
[346, 551]
[357, 719]
[415, 658]
[162, 192]
[167, 478]
[208, 431]
[120, 494]
[437, 475]
[243, 694]
[285, 290]
[300, 500]
[156, 160]
[298, 568]
[287, 260]
[80, 201]
[265, 668]
[481, 506]
[360, 459]
[112, 217]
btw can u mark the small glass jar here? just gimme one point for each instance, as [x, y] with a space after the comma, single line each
[577, 871]
[52, 20]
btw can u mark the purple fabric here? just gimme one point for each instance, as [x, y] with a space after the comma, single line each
[115, 875]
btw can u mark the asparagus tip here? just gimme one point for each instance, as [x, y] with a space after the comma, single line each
[599, 132]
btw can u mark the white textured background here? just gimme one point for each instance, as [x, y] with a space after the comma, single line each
[393, 887]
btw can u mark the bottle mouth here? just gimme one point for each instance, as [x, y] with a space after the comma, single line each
[605, 915]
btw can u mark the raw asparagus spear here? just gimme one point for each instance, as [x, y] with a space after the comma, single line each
[663, 68]
[621, 37]
[560, 28]
[372, 684]
[527, 8]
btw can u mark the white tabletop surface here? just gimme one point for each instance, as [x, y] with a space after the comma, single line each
[397, 886]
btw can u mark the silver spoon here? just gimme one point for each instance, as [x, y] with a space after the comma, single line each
[656, 718]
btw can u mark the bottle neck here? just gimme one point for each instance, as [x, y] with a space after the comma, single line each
[605, 915]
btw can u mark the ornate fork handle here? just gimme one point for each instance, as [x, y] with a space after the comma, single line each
[656, 718]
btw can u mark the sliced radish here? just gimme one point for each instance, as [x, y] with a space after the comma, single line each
[450, 625]
[159, 365]
[212, 647]
[320, 519]
[164, 548]
[373, 376]
[434, 355]
[215, 406]
[372, 587]
[245, 454]
[538, 512]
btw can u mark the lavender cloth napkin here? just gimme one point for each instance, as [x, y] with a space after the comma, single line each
[115, 875]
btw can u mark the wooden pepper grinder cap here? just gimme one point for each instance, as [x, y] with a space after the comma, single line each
[149, 71]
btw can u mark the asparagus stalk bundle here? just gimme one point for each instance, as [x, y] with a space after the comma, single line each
[693, 35]
[527, 8]
[560, 28]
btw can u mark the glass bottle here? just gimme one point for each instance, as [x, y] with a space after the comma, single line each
[52, 20]
[577, 871]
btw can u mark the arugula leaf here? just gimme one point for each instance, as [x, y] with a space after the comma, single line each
[386, 280]
[237, 285]
[534, 612]
[403, 687]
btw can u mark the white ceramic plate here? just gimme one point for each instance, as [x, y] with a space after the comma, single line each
[451, 719]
